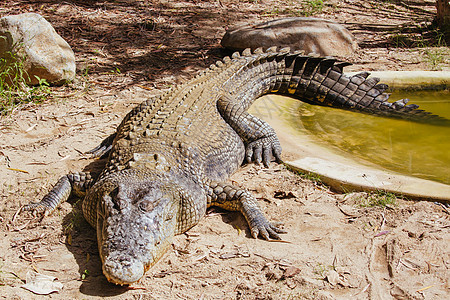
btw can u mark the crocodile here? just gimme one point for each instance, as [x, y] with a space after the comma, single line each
[171, 156]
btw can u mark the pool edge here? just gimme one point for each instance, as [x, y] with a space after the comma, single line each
[344, 174]
[350, 177]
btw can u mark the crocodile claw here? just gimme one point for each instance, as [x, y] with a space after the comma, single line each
[58, 194]
[37, 209]
[267, 231]
[264, 150]
[259, 226]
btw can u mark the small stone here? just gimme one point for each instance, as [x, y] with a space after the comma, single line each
[245, 285]
[291, 283]
[291, 271]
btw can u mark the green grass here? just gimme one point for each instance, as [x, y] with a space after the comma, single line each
[311, 176]
[432, 43]
[307, 8]
[14, 90]
[314, 177]
[436, 57]
[401, 40]
[321, 269]
[378, 198]
[312, 7]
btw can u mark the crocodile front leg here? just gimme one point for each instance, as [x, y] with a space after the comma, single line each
[232, 198]
[261, 141]
[76, 183]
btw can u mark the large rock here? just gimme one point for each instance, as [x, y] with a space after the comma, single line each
[309, 34]
[45, 53]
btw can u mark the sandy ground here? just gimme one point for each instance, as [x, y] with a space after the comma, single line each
[128, 50]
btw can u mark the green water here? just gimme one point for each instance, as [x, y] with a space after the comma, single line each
[407, 147]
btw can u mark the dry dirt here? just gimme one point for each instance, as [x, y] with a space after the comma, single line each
[129, 49]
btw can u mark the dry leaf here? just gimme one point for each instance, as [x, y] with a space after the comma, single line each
[333, 277]
[31, 127]
[41, 284]
[17, 170]
[382, 233]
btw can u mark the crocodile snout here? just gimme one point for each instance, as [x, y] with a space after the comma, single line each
[123, 271]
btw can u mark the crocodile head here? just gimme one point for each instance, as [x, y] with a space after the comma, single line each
[135, 226]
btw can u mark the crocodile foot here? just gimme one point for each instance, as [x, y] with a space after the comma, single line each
[264, 150]
[259, 225]
[36, 209]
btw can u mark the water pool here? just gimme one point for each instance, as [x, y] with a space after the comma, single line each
[411, 148]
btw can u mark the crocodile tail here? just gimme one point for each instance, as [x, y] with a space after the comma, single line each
[321, 81]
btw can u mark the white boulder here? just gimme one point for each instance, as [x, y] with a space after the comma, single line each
[44, 53]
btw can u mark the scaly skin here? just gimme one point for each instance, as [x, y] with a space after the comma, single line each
[171, 156]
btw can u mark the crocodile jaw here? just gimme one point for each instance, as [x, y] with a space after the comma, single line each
[132, 239]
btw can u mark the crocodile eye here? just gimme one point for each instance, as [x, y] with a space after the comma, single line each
[146, 205]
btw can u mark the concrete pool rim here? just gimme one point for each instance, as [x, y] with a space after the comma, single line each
[344, 174]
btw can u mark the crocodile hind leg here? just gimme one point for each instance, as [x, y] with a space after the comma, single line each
[232, 198]
[76, 183]
[261, 141]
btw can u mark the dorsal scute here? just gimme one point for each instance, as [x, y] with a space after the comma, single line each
[339, 66]
[400, 104]
[200, 74]
[236, 55]
[363, 74]
[381, 87]
[282, 54]
[314, 54]
[247, 52]
[326, 64]
[258, 50]
[272, 49]
[152, 99]
[299, 52]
